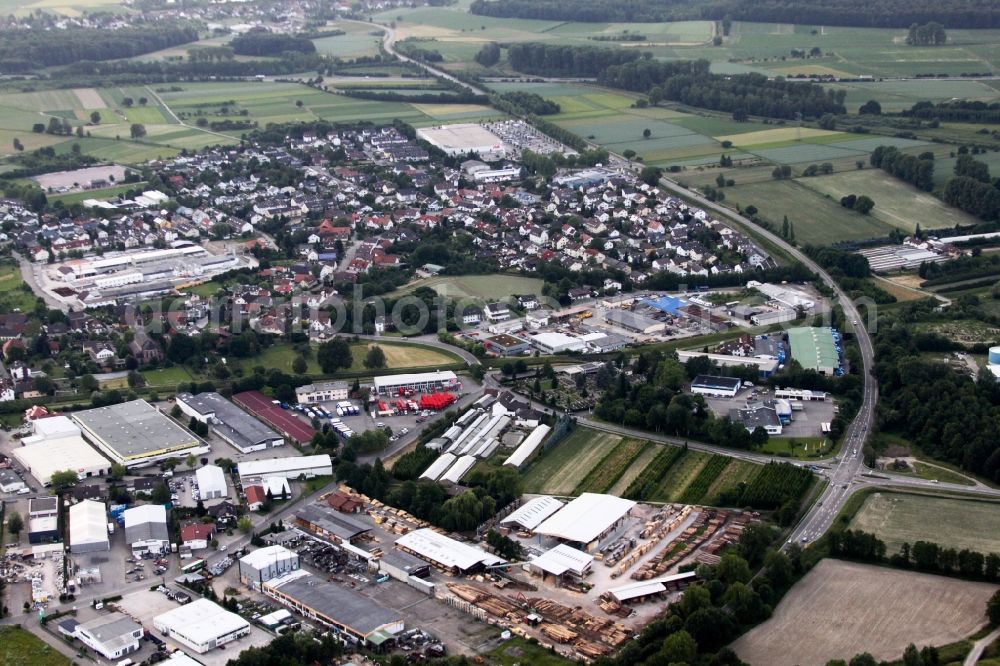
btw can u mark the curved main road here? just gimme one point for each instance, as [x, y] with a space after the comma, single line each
[849, 465]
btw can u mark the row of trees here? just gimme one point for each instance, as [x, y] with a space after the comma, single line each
[25, 50]
[962, 110]
[861, 13]
[973, 189]
[929, 34]
[532, 102]
[918, 171]
[921, 555]
[556, 60]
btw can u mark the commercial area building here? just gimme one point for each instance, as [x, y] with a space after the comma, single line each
[642, 590]
[446, 553]
[532, 513]
[504, 344]
[43, 520]
[289, 468]
[720, 387]
[273, 415]
[322, 392]
[418, 382]
[350, 614]
[815, 348]
[401, 566]
[146, 529]
[636, 323]
[240, 430]
[758, 415]
[555, 343]
[464, 138]
[196, 536]
[586, 519]
[88, 527]
[57, 446]
[201, 625]
[112, 636]
[263, 564]
[211, 482]
[135, 433]
[765, 366]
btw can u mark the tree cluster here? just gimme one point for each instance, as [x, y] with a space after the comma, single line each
[960, 110]
[532, 102]
[489, 55]
[916, 171]
[556, 60]
[270, 44]
[929, 34]
[920, 555]
[26, 49]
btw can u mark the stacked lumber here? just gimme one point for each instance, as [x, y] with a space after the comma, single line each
[589, 649]
[559, 633]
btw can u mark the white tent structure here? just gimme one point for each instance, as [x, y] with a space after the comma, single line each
[88, 527]
[211, 482]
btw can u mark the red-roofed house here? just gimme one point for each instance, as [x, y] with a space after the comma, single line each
[197, 535]
[255, 497]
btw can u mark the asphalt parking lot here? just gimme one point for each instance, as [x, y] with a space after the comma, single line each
[805, 423]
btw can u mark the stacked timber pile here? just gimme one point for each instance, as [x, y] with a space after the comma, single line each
[697, 533]
[491, 603]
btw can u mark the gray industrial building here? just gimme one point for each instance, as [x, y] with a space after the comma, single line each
[636, 323]
[238, 428]
[263, 564]
[135, 433]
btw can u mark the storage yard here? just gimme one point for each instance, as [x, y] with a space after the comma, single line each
[842, 609]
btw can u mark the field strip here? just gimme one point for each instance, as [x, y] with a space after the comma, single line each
[89, 98]
[634, 470]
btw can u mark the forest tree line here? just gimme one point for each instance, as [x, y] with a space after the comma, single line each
[915, 170]
[970, 14]
[961, 110]
[685, 81]
[25, 50]
[270, 44]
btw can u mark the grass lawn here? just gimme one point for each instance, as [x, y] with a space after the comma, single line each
[105, 193]
[397, 356]
[482, 287]
[896, 203]
[899, 518]
[167, 377]
[816, 219]
[14, 294]
[20, 647]
[801, 448]
[559, 470]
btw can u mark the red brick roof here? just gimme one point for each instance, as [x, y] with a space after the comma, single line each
[197, 532]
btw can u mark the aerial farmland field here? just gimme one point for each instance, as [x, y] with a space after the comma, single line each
[896, 203]
[841, 609]
[899, 518]
[560, 470]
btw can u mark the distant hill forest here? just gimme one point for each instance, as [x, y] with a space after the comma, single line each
[855, 13]
[24, 50]
[685, 81]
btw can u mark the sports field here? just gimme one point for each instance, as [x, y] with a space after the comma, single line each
[841, 609]
[899, 518]
[817, 219]
[397, 356]
[896, 203]
[480, 287]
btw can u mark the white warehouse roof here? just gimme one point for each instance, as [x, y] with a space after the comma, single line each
[563, 558]
[437, 468]
[88, 524]
[265, 557]
[459, 469]
[532, 513]
[415, 378]
[586, 517]
[54, 426]
[145, 513]
[45, 455]
[283, 465]
[528, 446]
[445, 551]
[200, 621]
[210, 478]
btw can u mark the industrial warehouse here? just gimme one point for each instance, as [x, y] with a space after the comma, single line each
[816, 348]
[56, 446]
[273, 415]
[135, 433]
[446, 553]
[418, 382]
[586, 519]
[201, 625]
[463, 139]
[720, 387]
[287, 468]
[266, 563]
[352, 615]
[240, 430]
